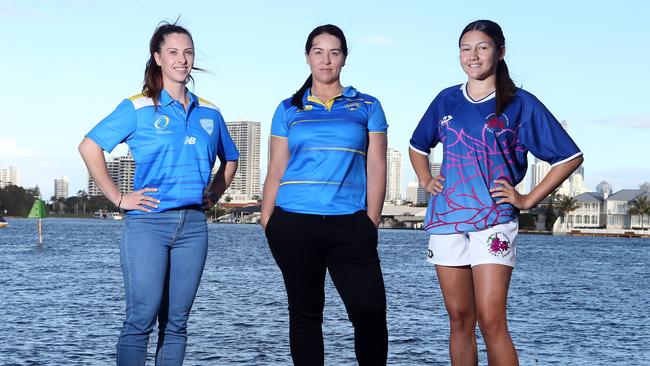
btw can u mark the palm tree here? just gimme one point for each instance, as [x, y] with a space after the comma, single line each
[566, 204]
[640, 206]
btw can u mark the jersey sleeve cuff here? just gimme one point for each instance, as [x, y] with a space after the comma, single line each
[579, 153]
[418, 150]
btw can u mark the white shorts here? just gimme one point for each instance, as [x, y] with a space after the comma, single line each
[494, 245]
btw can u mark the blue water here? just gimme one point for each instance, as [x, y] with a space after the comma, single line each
[573, 301]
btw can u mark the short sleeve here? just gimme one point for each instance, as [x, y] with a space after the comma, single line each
[226, 148]
[377, 119]
[116, 128]
[426, 134]
[278, 123]
[544, 136]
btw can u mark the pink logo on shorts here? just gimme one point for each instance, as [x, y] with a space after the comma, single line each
[498, 244]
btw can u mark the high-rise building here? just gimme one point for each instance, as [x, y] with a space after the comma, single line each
[246, 135]
[393, 174]
[9, 176]
[121, 169]
[61, 187]
[412, 191]
[538, 171]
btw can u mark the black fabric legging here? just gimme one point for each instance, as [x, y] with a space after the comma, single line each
[304, 246]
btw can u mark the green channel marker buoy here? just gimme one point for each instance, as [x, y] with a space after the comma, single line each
[38, 212]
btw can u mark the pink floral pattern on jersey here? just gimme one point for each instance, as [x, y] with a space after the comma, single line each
[465, 204]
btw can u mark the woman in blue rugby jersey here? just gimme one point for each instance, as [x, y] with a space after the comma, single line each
[323, 196]
[175, 138]
[486, 126]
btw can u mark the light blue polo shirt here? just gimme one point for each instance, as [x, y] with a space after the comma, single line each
[480, 147]
[174, 150]
[328, 142]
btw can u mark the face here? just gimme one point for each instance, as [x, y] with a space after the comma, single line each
[175, 58]
[326, 58]
[479, 55]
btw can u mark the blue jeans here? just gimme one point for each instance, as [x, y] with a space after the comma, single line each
[162, 256]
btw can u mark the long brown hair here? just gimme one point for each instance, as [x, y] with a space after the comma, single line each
[296, 99]
[153, 82]
[505, 87]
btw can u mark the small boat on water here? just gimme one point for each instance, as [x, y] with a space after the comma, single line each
[3, 223]
[103, 214]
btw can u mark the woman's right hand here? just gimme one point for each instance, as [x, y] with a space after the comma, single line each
[138, 200]
[264, 219]
[435, 184]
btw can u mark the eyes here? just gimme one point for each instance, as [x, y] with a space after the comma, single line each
[187, 53]
[481, 48]
[321, 52]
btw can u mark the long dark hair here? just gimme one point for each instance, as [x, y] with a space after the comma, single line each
[505, 87]
[153, 82]
[296, 99]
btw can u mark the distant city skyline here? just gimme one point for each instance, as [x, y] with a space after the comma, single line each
[401, 53]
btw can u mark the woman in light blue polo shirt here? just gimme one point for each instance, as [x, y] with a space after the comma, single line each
[175, 138]
[323, 197]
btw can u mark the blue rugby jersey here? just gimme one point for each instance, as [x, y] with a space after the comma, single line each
[480, 147]
[326, 172]
[173, 150]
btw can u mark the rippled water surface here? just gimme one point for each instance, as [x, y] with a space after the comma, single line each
[573, 301]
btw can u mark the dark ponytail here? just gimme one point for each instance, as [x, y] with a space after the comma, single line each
[296, 99]
[153, 82]
[505, 87]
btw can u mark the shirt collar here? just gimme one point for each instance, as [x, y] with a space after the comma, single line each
[348, 91]
[166, 99]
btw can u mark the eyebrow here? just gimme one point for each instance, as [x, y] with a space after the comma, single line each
[322, 49]
[174, 48]
[467, 44]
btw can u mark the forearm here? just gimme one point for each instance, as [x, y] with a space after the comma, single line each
[555, 177]
[420, 164]
[271, 186]
[224, 176]
[376, 190]
[93, 157]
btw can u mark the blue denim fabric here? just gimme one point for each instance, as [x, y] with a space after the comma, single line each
[162, 256]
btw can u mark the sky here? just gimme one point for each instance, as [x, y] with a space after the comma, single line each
[65, 65]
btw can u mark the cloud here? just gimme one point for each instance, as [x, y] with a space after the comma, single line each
[635, 122]
[378, 40]
[10, 148]
[15, 10]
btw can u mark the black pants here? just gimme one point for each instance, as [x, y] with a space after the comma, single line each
[304, 246]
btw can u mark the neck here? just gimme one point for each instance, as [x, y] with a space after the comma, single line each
[324, 91]
[479, 89]
[176, 91]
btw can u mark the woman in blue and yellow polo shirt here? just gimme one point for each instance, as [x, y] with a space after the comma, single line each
[175, 139]
[323, 196]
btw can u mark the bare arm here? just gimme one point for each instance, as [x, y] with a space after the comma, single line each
[93, 157]
[376, 175]
[420, 164]
[221, 181]
[551, 181]
[279, 160]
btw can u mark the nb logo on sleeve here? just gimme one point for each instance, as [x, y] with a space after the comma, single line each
[190, 140]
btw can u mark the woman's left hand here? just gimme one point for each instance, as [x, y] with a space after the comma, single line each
[509, 194]
[207, 202]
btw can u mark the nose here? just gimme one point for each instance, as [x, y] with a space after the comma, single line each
[327, 58]
[474, 54]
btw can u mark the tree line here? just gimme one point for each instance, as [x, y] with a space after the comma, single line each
[18, 201]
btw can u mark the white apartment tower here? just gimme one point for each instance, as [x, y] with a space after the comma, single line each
[61, 187]
[393, 174]
[9, 176]
[246, 135]
[121, 169]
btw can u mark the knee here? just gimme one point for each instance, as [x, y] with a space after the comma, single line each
[368, 314]
[461, 319]
[305, 318]
[492, 323]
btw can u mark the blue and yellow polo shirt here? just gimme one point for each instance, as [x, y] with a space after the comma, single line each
[174, 150]
[326, 172]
